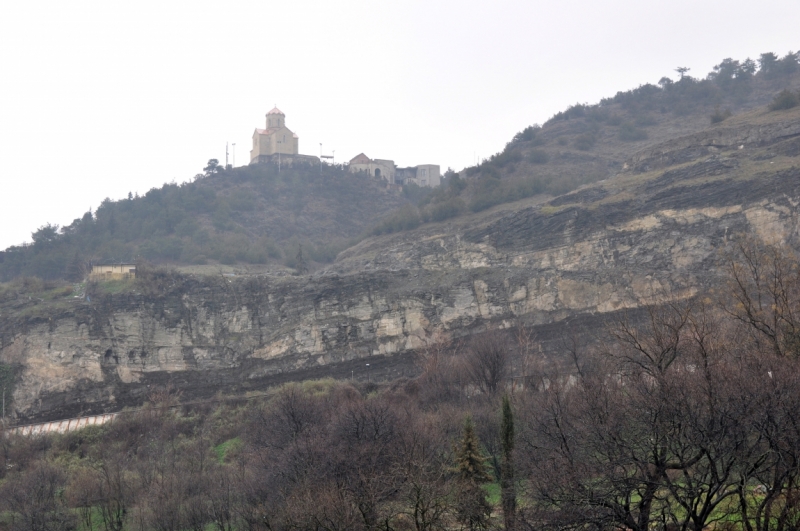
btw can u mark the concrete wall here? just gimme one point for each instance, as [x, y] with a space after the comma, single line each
[113, 271]
[428, 175]
[422, 175]
[62, 426]
[286, 160]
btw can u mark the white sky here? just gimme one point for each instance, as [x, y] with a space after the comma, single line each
[99, 98]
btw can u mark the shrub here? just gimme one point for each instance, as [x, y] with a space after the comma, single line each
[404, 218]
[785, 99]
[508, 156]
[645, 120]
[415, 193]
[585, 142]
[538, 156]
[720, 116]
[527, 134]
[630, 133]
[449, 209]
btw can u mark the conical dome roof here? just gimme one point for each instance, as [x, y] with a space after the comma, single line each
[276, 111]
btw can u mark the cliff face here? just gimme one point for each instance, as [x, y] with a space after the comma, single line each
[640, 238]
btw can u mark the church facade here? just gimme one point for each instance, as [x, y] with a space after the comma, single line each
[276, 138]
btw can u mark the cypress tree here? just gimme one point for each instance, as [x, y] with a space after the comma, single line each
[301, 267]
[471, 506]
[508, 490]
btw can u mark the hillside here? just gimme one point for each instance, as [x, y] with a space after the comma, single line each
[615, 347]
[257, 217]
[658, 232]
[589, 143]
[249, 215]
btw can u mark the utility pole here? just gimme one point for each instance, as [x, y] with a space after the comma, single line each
[234, 154]
[226, 155]
[320, 158]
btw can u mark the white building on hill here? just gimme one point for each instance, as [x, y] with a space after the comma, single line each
[421, 175]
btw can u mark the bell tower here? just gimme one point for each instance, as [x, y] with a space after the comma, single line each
[275, 118]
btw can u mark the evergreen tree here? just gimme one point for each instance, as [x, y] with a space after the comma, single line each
[472, 508]
[301, 266]
[508, 491]
[470, 464]
[76, 269]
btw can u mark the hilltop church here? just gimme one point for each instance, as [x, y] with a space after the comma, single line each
[277, 143]
[276, 138]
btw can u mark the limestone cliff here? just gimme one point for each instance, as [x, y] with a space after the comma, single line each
[656, 230]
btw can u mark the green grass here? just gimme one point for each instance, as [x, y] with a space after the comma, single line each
[113, 287]
[223, 449]
[320, 387]
[492, 492]
[56, 293]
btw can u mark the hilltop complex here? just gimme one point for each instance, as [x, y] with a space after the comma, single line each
[278, 141]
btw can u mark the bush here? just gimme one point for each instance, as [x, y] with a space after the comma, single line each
[585, 142]
[786, 99]
[720, 116]
[630, 133]
[528, 134]
[645, 120]
[449, 209]
[509, 156]
[538, 156]
[404, 218]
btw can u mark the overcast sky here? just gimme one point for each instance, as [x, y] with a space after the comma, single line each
[99, 98]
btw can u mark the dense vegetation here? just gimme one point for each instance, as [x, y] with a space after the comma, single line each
[586, 142]
[684, 419]
[252, 214]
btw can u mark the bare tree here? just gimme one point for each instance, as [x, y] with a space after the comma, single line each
[654, 346]
[82, 493]
[764, 294]
[487, 360]
[423, 463]
[35, 502]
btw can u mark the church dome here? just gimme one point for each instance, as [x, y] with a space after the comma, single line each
[276, 111]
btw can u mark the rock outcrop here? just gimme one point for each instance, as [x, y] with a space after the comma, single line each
[634, 240]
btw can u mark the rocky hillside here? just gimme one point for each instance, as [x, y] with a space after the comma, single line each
[656, 231]
[589, 143]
